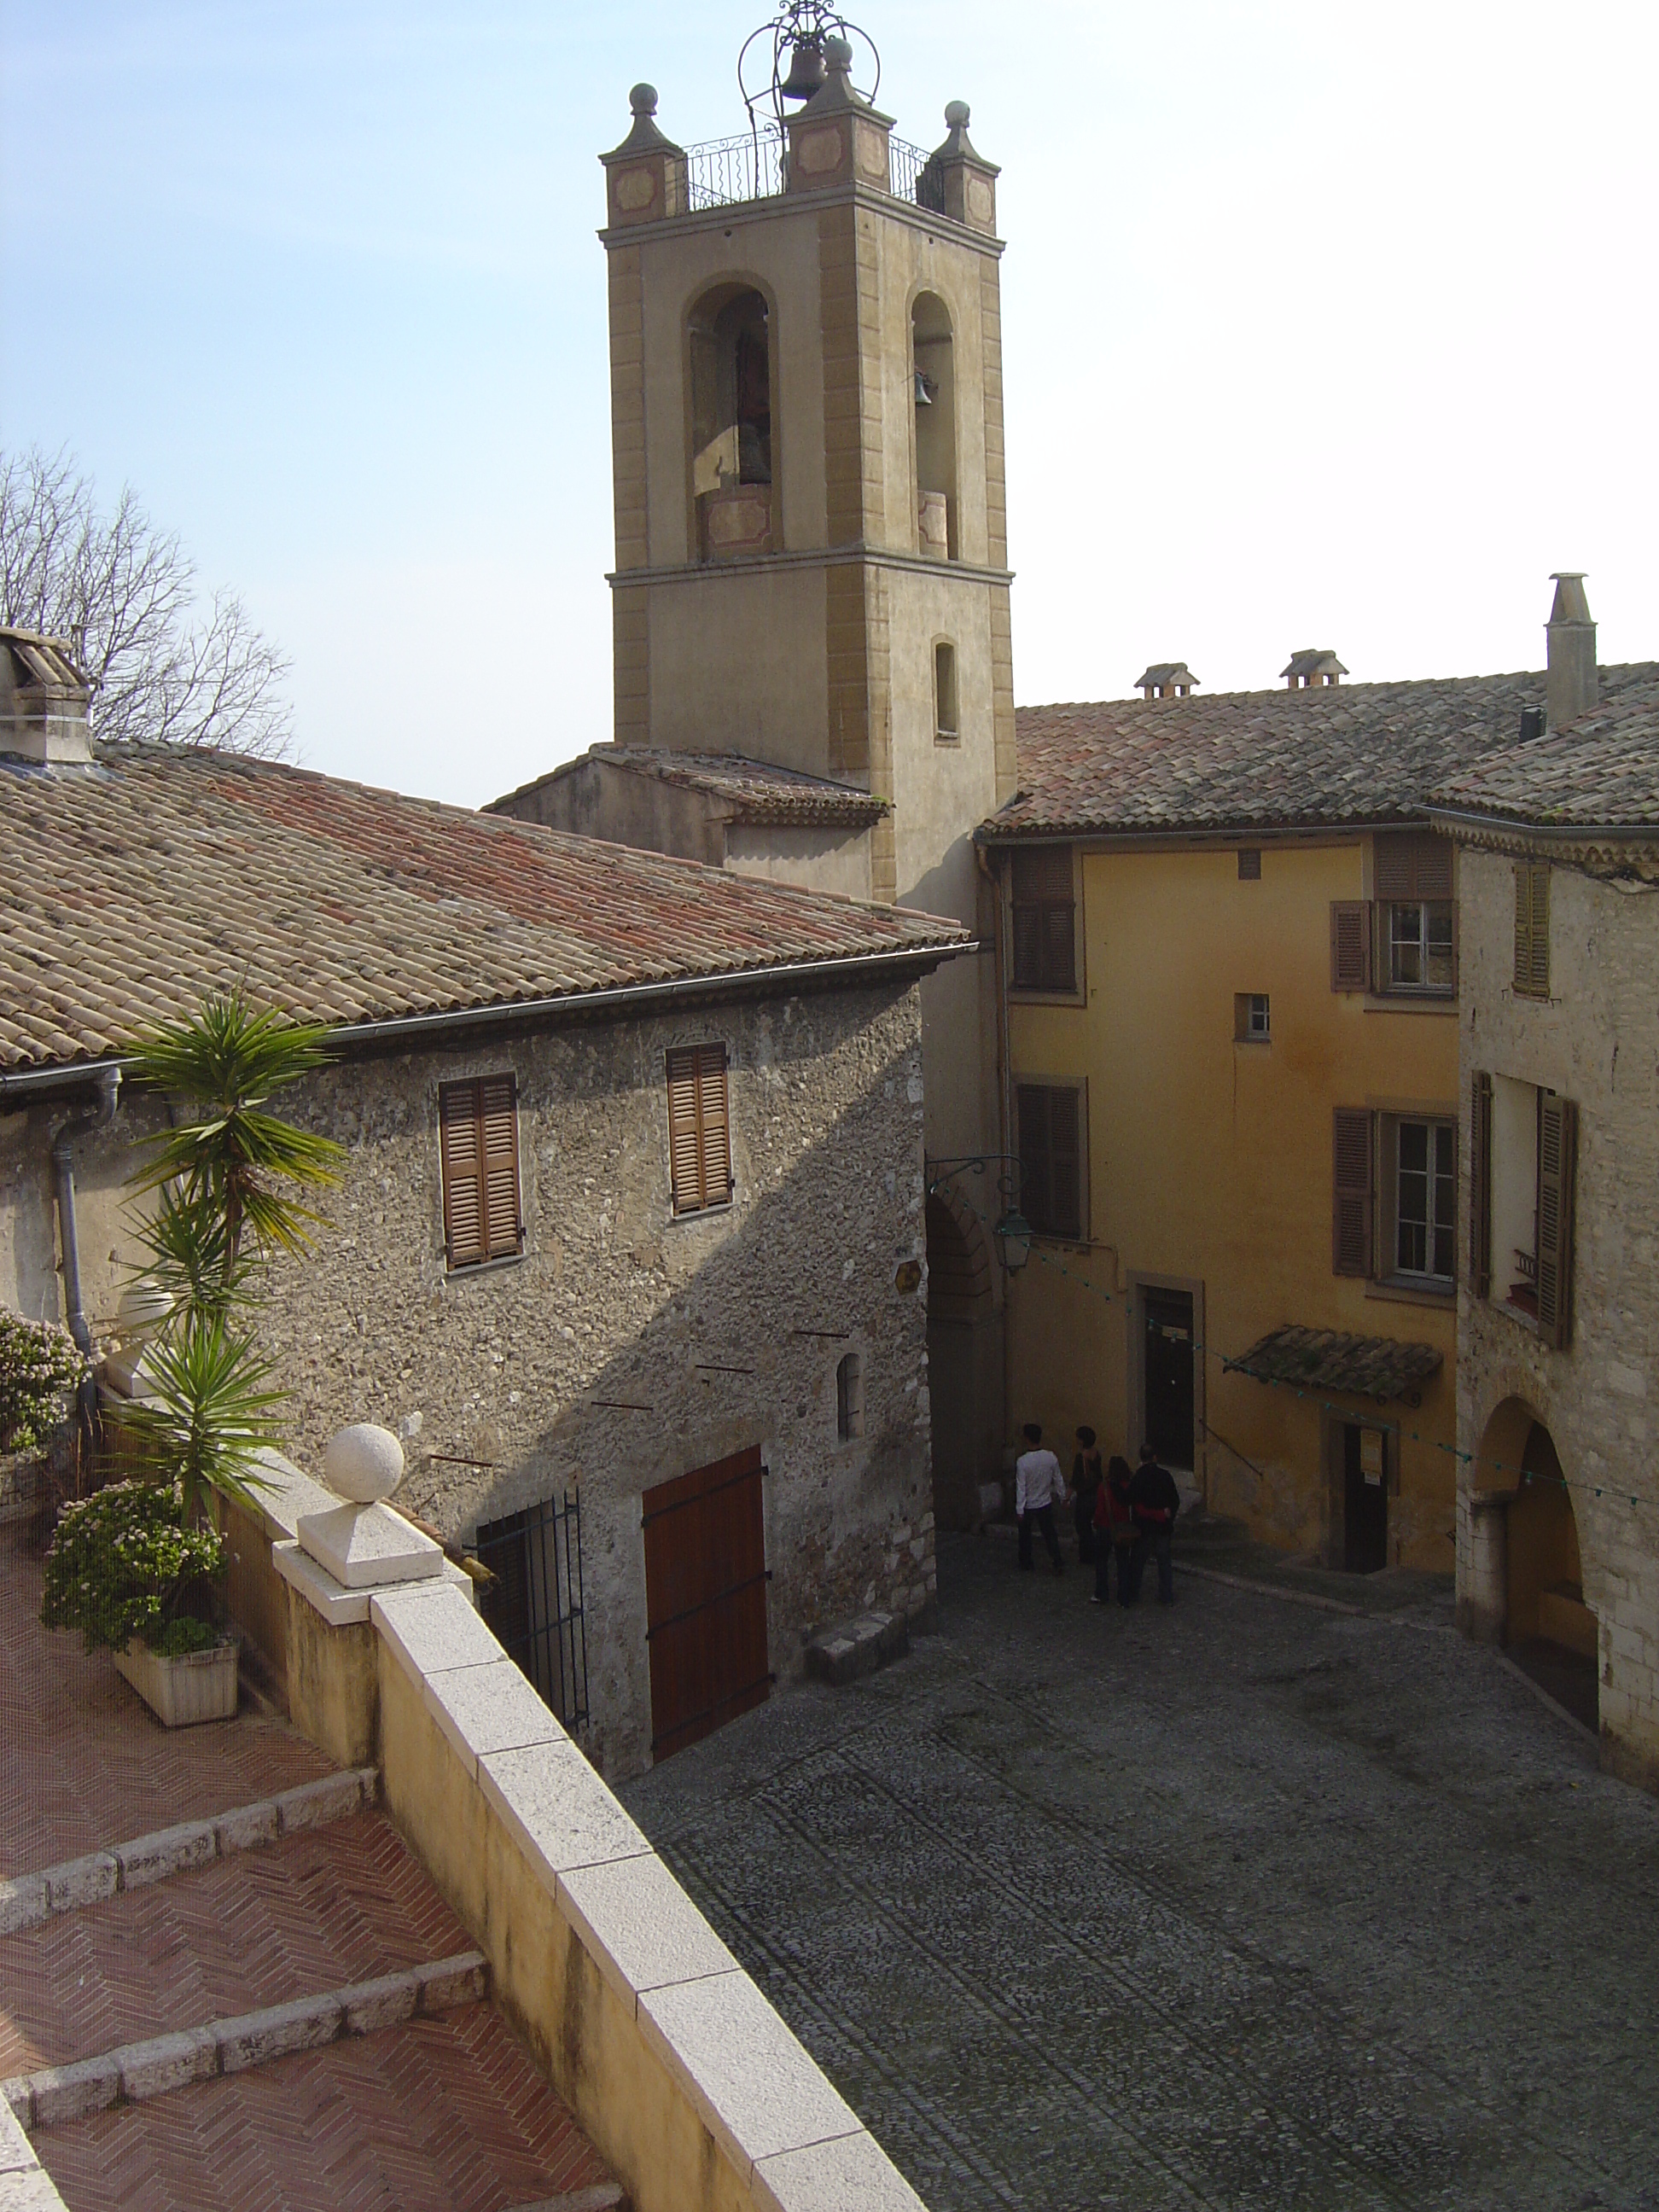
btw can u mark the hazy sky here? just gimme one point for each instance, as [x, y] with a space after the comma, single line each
[1326, 325]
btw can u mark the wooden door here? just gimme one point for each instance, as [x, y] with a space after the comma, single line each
[1169, 1376]
[705, 1588]
[1365, 1500]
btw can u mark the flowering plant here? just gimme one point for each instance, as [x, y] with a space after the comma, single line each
[123, 1564]
[41, 1366]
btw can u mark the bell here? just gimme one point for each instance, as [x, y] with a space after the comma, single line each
[805, 72]
[924, 396]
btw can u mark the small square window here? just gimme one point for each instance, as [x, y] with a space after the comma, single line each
[1252, 1024]
[1418, 950]
[1250, 865]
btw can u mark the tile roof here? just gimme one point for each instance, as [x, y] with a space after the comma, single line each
[753, 790]
[1601, 771]
[1380, 1367]
[1267, 760]
[132, 887]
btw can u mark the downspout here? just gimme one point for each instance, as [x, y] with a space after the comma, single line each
[995, 880]
[96, 1116]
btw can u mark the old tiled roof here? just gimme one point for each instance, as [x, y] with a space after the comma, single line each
[1377, 1367]
[132, 887]
[1267, 760]
[1603, 771]
[752, 791]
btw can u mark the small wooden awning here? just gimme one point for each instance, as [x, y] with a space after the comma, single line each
[1377, 1367]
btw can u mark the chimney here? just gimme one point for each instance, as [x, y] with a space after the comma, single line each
[1165, 679]
[44, 700]
[1572, 687]
[1310, 668]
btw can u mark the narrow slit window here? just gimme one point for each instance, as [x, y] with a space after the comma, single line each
[849, 1398]
[946, 728]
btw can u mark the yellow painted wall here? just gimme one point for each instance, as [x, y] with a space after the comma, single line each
[1210, 1162]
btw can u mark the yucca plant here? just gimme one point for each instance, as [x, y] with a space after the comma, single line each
[208, 1414]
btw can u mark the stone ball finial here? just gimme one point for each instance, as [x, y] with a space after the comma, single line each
[838, 55]
[643, 100]
[363, 1463]
[957, 115]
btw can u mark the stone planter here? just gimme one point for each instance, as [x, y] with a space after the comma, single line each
[198, 1686]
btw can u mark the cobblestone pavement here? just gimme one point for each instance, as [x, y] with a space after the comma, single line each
[1239, 1904]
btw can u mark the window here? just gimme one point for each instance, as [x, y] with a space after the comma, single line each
[699, 1128]
[1532, 931]
[479, 1146]
[933, 387]
[946, 729]
[1045, 932]
[1250, 865]
[849, 1398]
[1050, 1158]
[1250, 1018]
[1523, 1150]
[1425, 1200]
[730, 340]
[1411, 875]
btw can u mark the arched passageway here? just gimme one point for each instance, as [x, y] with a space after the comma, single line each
[1524, 1502]
[964, 1384]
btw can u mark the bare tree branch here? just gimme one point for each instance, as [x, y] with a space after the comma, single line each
[123, 594]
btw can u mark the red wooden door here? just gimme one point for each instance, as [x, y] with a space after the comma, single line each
[705, 1589]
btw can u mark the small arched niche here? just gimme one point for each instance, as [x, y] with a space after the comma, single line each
[933, 389]
[732, 486]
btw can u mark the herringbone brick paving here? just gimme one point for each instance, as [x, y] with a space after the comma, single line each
[86, 1764]
[444, 2115]
[322, 1908]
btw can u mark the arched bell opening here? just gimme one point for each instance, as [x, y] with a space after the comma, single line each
[961, 1378]
[734, 488]
[933, 390]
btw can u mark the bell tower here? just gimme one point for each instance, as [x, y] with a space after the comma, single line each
[811, 544]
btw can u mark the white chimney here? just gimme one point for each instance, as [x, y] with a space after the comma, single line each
[44, 700]
[1572, 686]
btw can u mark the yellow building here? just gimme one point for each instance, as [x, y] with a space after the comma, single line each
[1228, 955]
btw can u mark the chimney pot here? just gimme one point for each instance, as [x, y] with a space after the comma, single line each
[43, 702]
[1572, 685]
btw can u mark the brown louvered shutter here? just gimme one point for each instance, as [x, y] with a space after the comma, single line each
[1558, 1150]
[1064, 1164]
[1352, 1200]
[478, 1129]
[1480, 1186]
[1412, 865]
[1044, 919]
[699, 1128]
[1351, 944]
[1031, 1105]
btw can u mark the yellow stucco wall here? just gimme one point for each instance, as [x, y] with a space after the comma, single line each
[1210, 1165]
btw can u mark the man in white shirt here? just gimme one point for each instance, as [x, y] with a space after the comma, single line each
[1039, 1486]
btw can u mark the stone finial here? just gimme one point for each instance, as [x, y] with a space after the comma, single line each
[964, 184]
[643, 100]
[646, 175]
[837, 138]
[363, 1463]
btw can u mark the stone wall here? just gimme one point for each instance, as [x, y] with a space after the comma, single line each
[1595, 1041]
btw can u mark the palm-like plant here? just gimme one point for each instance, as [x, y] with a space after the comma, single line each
[235, 1155]
[208, 1414]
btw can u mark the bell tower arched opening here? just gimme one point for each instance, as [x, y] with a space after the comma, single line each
[933, 385]
[733, 492]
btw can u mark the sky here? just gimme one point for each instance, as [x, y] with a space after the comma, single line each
[1324, 324]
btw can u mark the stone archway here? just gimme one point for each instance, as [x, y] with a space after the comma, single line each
[964, 1366]
[1527, 1574]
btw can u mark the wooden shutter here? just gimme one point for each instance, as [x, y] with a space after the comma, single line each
[1480, 1186]
[699, 1128]
[1064, 1163]
[1044, 919]
[478, 1133]
[1351, 944]
[1558, 1150]
[1532, 930]
[1031, 1105]
[1051, 1158]
[1352, 1203]
[1410, 866]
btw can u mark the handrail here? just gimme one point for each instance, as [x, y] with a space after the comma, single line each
[754, 166]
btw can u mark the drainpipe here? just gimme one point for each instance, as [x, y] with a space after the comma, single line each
[99, 1115]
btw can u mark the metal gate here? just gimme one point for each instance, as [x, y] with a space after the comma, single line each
[705, 1584]
[533, 1601]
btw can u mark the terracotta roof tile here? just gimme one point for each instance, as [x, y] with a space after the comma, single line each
[1266, 760]
[1379, 1367]
[754, 791]
[1601, 771]
[132, 887]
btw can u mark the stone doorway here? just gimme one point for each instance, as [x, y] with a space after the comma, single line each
[1548, 1628]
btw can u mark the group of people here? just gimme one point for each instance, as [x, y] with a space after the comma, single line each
[1122, 1515]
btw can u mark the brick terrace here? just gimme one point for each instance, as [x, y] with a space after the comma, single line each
[441, 2112]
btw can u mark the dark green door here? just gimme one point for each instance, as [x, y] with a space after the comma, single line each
[1365, 1501]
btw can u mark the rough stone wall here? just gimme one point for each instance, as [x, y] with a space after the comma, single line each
[494, 1377]
[1595, 1040]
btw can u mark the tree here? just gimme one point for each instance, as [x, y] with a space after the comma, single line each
[122, 594]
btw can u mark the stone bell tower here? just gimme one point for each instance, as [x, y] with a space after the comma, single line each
[811, 545]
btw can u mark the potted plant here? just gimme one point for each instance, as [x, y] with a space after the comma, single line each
[41, 1369]
[130, 1570]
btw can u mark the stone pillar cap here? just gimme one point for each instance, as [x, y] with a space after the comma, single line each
[958, 146]
[362, 1463]
[645, 137]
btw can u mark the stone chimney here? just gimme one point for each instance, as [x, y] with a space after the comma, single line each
[1165, 679]
[1572, 686]
[1310, 669]
[44, 700]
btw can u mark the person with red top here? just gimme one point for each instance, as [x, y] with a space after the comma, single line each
[1114, 1532]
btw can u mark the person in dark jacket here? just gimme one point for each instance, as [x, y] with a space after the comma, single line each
[1087, 1475]
[1115, 1531]
[1154, 1501]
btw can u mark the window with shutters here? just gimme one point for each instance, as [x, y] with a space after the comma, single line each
[1416, 919]
[1531, 1146]
[1420, 1200]
[1480, 1185]
[1044, 919]
[1354, 1190]
[699, 1128]
[479, 1145]
[1053, 1122]
[1351, 944]
[1532, 931]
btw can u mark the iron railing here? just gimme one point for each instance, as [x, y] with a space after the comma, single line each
[534, 1599]
[725, 171]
